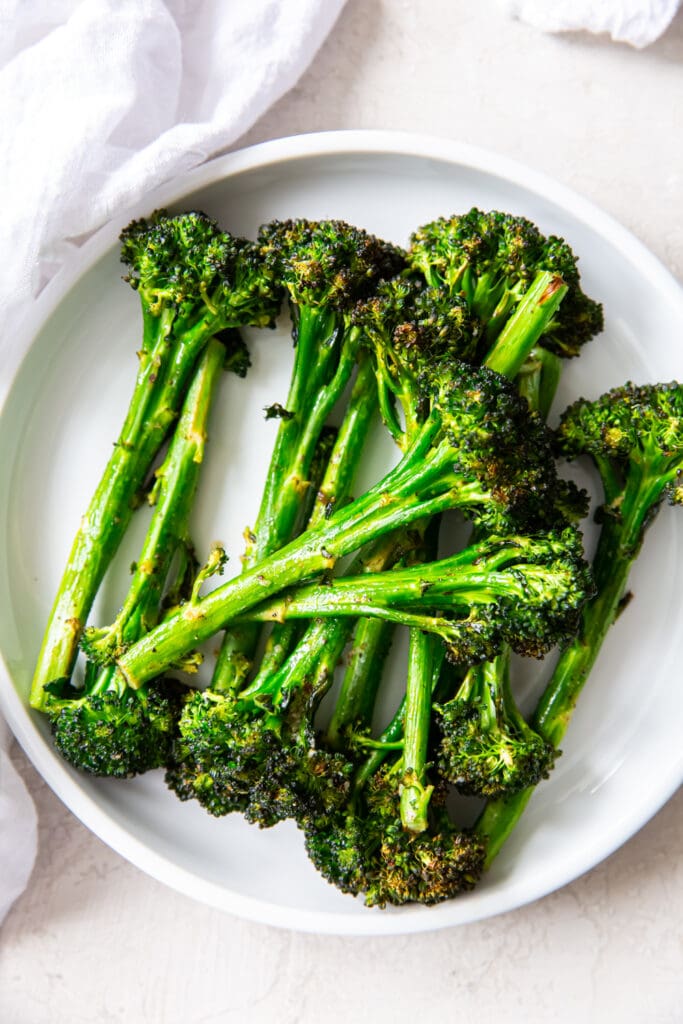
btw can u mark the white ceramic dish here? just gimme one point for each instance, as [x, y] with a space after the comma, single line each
[622, 755]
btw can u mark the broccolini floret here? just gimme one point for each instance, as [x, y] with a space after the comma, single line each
[634, 437]
[505, 269]
[365, 849]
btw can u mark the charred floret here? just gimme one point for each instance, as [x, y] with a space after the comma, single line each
[111, 729]
[487, 749]
[366, 850]
[493, 260]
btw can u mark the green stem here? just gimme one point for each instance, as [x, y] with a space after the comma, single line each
[337, 482]
[331, 488]
[446, 582]
[165, 364]
[174, 492]
[393, 734]
[316, 355]
[538, 379]
[415, 795]
[527, 324]
[349, 529]
[371, 644]
[618, 547]
[324, 359]
[318, 645]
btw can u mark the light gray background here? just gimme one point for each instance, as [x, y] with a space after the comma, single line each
[94, 940]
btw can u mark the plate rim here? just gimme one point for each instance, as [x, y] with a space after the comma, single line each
[61, 778]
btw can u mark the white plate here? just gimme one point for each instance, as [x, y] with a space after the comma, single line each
[622, 754]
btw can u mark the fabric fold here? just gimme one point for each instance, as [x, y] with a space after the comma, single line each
[638, 22]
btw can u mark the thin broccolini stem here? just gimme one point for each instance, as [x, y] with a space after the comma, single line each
[332, 489]
[324, 359]
[618, 547]
[394, 731]
[539, 378]
[337, 481]
[166, 361]
[174, 494]
[371, 643]
[349, 529]
[316, 351]
[527, 324]
[415, 795]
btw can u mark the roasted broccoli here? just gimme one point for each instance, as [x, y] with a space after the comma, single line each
[256, 751]
[364, 848]
[194, 282]
[513, 278]
[634, 437]
[479, 450]
[106, 727]
[487, 749]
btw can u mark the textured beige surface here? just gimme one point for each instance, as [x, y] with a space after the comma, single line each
[94, 940]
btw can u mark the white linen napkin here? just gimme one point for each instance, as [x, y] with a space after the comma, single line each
[100, 101]
[638, 22]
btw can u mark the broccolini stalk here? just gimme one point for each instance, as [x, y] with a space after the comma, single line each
[194, 281]
[539, 378]
[283, 637]
[233, 663]
[331, 491]
[370, 647]
[526, 591]
[633, 434]
[503, 478]
[415, 792]
[106, 728]
[392, 736]
[325, 267]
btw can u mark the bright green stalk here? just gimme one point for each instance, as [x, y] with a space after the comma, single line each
[415, 795]
[153, 408]
[322, 369]
[167, 532]
[316, 551]
[337, 481]
[324, 359]
[392, 736]
[539, 378]
[331, 491]
[371, 644]
[527, 324]
[618, 548]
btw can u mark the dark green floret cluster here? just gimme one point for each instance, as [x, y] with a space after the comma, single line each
[116, 732]
[457, 344]
[365, 849]
[495, 260]
[487, 749]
